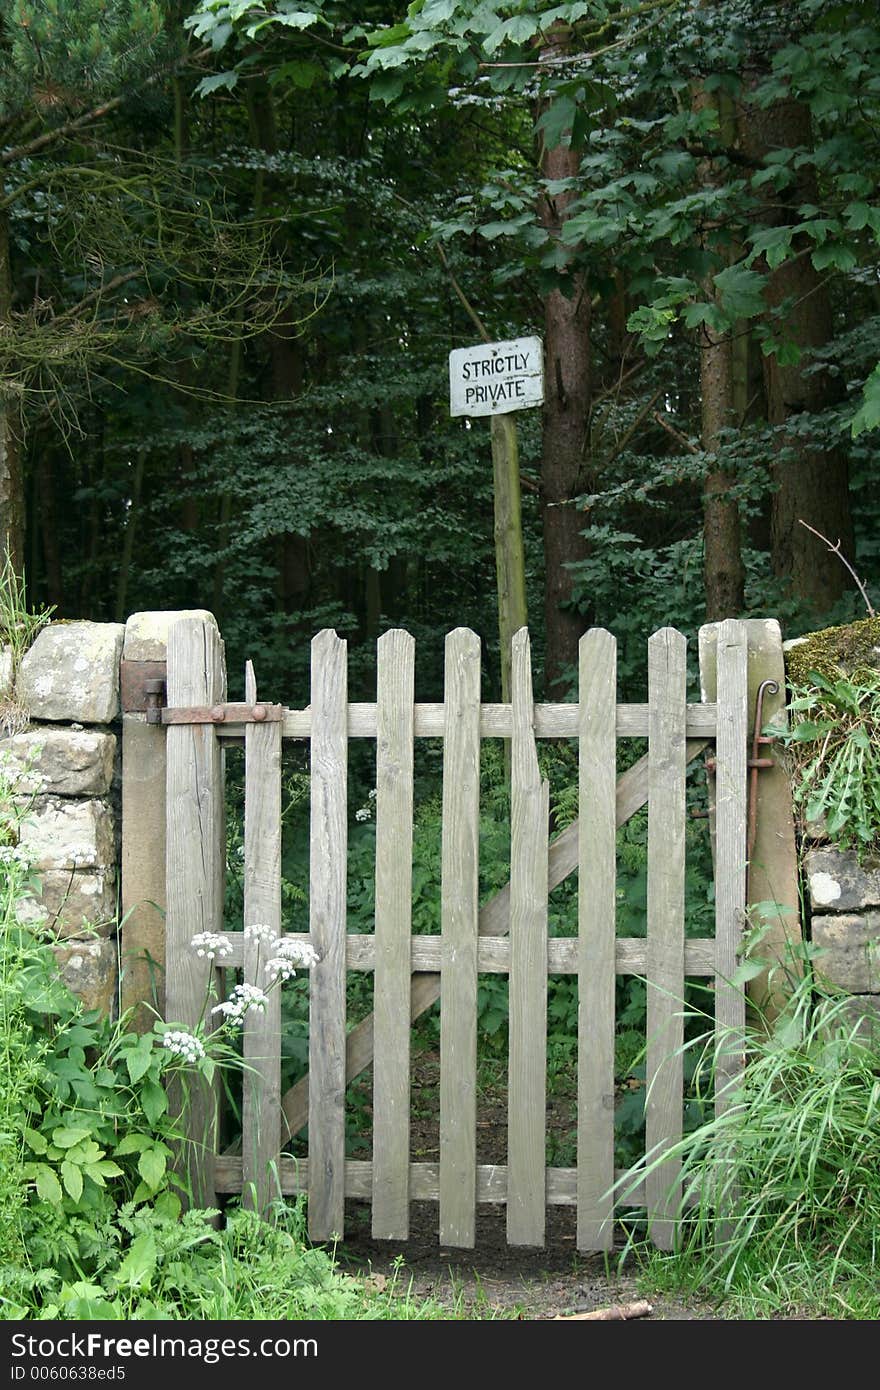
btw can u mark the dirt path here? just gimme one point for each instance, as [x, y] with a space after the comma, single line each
[494, 1277]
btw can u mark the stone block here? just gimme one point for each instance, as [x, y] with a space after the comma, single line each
[73, 902]
[837, 882]
[61, 761]
[851, 946]
[61, 834]
[5, 672]
[72, 672]
[146, 634]
[88, 967]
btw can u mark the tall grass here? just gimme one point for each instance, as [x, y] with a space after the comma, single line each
[780, 1208]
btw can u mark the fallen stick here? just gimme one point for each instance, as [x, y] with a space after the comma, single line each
[617, 1312]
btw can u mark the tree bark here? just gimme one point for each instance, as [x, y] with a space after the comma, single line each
[12, 507]
[723, 569]
[565, 446]
[811, 482]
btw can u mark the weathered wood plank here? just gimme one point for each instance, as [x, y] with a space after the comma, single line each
[394, 827]
[493, 954]
[459, 912]
[328, 869]
[527, 1052]
[496, 721]
[597, 880]
[261, 1080]
[730, 852]
[667, 675]
[424, 1181]
[196, 858]
[632, 793]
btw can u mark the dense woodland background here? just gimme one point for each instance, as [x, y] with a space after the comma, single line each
[237, 245]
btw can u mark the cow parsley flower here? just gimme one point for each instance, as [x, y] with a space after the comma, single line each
[287, 955]
[184, 1045]
[242, 999]
[261, 932]
[211, 944]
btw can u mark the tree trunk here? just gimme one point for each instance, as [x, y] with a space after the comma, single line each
[565, 445]
[811, 482]
[11, 475]
[723, 570]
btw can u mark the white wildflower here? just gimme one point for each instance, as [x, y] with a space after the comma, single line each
[242, 999]
[287, 955]
[185, 1045]
[363, 813]
[260, 931]
[211, 944]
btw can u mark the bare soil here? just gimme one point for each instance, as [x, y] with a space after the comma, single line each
[495, 1278]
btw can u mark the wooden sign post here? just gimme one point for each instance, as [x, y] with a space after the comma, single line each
[497, 379]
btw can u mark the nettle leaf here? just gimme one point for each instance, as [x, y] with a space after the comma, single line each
[741, 291]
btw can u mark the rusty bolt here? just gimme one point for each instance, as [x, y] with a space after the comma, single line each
[259, 713]
[218, 714]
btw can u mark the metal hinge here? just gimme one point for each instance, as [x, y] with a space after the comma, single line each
[260, 713]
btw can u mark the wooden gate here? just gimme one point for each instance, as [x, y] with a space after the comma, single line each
[508, 934]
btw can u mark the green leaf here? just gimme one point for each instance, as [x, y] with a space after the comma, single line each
[215, 82]
[834, 256]
[557, 120]
[138, 1060]
[133, 1144]
[71, 1176]
[151, 1166]
[136, 1270]
[867, 417]
[65, 1136]
[36, 1141]
[48, 1186]
[741, 291]
[154, 1101]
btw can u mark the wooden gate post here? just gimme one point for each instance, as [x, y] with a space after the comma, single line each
[773, 877]
[142, 934]
[196, 862]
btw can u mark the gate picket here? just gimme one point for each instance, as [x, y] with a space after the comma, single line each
[328, 876]
[527, 1065]
[597, 881]
[261, 1080]
[730, 851]
[667, 677]
[196, 859]
[459, 915]
[391, 994]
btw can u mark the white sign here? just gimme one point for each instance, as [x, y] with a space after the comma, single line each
[494, 378]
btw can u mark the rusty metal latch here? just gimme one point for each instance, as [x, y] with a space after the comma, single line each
[260, 713]
[755, 763]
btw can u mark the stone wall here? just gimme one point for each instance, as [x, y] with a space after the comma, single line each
[68, 766]
[100, 901]
[844, 899]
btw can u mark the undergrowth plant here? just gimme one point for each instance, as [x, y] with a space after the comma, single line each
[780, 1207]
[834, 741]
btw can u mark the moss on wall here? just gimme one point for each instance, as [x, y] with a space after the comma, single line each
[847, 647]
